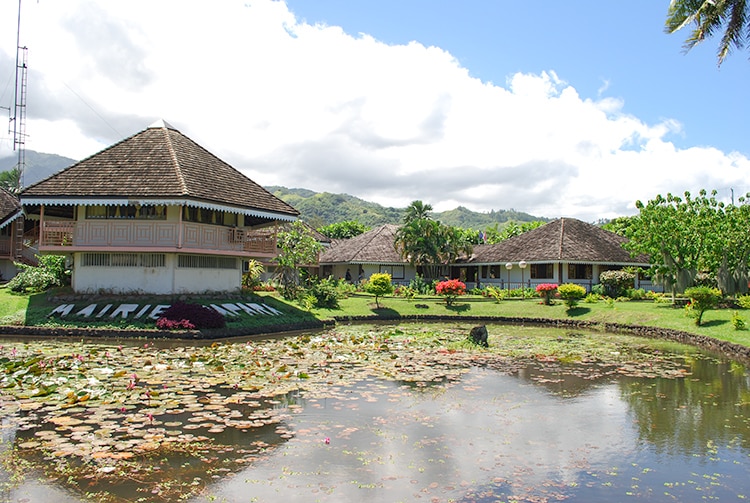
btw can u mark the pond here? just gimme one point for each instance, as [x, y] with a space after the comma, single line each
[374, 413]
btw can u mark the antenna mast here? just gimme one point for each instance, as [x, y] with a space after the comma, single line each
[19, 103]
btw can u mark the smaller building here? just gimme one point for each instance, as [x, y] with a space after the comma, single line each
[565, 250]
[11, 234]
[371, 252]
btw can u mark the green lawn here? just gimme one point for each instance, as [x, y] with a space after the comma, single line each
[33, 310]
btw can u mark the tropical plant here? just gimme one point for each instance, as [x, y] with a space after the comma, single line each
[252, 277]
[379, 285]
[709, 17]
[297, 247]
[702, 298]
[546, 291]
[49, 273]
[571, 293]
[417, 210]
[419, 242]
[451, 290]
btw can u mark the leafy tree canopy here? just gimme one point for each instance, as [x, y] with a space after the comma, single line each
[343, 230]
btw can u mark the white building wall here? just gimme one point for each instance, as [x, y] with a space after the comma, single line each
[154, 280]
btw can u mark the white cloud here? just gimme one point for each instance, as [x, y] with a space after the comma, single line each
[303, 105]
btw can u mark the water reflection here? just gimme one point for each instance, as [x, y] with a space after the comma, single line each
[494, 437]
[504, 430]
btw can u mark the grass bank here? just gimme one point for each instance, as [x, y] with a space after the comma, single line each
[34, 311]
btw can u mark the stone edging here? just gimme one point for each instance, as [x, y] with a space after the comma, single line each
[730, 349]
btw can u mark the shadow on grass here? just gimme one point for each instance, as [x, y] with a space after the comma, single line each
[577, 311]
[714, 323]
[385, 312]
[459, 308]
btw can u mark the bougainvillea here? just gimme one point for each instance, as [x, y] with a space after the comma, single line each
[450, 289]
[546, 291]
[195, 314]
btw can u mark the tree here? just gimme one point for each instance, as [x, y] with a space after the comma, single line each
[666, 231]
[685, 237]
[419, 241]
[11, 180]
[702, 298]
[454, 242]
[417, 210]
[343, 230]
[378, 285]
[710, 17]
[298, 247]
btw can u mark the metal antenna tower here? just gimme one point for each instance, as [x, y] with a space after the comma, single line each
[19, 103]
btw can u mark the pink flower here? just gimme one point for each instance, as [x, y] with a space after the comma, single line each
[327, 440]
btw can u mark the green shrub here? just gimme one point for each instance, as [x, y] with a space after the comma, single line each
[744, 301]
[496, 293]
[636, 294]
[737, 322]
[51, 272]
[421, 286]
[325, 292]
[378, 285]
[702, 298]
[571, 293]
[617, 283]
[592, 298]
[599, 290]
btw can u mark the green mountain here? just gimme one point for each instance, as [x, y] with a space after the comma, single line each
[323, 208]
[38, 166]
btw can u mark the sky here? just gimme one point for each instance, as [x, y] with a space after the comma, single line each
[558, 109]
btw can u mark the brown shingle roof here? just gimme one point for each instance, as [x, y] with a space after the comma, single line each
[10, 206]
[374, 246]
[562, 240]
[159, 162]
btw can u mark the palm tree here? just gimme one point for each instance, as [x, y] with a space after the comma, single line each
[419, 242]
[417, 210]
[708, 18]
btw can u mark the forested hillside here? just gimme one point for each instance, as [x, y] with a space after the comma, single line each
[323, 208]
[38, 166]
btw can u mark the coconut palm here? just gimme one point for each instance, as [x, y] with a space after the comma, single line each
[417, 210]
[710, 17]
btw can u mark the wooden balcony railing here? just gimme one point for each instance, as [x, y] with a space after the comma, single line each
[56, 235]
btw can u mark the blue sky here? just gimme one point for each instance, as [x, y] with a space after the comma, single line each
[574, 109]
[601, 48]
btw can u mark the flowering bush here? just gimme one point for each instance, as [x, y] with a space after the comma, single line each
[571, 293]
[546, 291]
[181, 313]
[450, 289]
[167, 324]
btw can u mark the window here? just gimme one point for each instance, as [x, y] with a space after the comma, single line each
[494, 271]
[206, 262]
[127, 211]
[580, 271]
[123, 260]
[542, 271]
[396, 271]
[207, 216]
